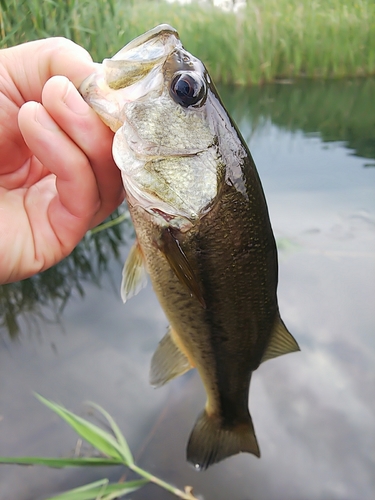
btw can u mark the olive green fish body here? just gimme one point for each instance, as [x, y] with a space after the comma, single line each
[203, 231]
[233, 254]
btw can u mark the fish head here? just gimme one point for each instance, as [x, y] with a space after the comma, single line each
[159, 101]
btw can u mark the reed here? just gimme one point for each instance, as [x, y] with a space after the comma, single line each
[266, 41]
[111, 449]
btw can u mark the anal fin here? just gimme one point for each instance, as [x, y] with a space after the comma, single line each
[281, 342]
[134, 274]
[167, 362]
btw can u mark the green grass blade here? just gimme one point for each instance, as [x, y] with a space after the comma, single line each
[86, 492]
[127, 454]
[110, 223]
[61, 463]
[114, 491]
[100, 490]
[97, 437]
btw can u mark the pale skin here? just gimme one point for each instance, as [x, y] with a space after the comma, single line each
[57, 175]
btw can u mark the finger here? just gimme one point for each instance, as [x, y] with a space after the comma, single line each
[76, 199]
[24, 69]
[31, 64]
[12, 146]
[74, 116]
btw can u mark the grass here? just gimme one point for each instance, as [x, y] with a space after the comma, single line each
[113, 450]
[269, 40]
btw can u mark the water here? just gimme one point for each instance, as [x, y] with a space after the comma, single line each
[313, 411]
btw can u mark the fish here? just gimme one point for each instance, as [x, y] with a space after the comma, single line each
[203, 232]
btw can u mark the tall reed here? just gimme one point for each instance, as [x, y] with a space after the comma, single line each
[268, 40]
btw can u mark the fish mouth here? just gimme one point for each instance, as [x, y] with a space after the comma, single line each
[133, 62]
[132, 72]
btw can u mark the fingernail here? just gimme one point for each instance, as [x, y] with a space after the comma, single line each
[74, 101]
[42, 117]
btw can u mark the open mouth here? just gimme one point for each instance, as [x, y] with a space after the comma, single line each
[130, 74]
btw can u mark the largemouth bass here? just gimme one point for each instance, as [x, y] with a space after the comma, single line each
[203, 231]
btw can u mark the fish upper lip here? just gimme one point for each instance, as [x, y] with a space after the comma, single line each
[152, 33]
[162, 33]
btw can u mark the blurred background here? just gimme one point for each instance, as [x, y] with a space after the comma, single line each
[298, 79]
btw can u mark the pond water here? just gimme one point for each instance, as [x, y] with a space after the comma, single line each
[66, 334]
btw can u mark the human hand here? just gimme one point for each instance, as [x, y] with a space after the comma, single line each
[57, 175]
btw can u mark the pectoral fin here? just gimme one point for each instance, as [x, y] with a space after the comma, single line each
[171, 248]
[167, 362]
[281, 342]
[134, 274]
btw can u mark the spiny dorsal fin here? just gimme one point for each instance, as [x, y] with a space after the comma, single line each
[167, 362]
[134, 274]
[179, 263]
[210, 442]
[281, 342]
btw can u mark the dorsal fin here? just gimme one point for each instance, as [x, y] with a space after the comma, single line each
[167, 362]
[134, 274]
[281, 342]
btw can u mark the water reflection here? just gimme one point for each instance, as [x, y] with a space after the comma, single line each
[313, 411]
[44, 296]
[335, 110]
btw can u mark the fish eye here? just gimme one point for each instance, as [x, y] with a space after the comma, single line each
[187, 89]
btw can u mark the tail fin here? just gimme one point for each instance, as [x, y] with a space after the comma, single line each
[210, 443]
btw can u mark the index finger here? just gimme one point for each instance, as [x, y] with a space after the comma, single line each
[31, 64]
